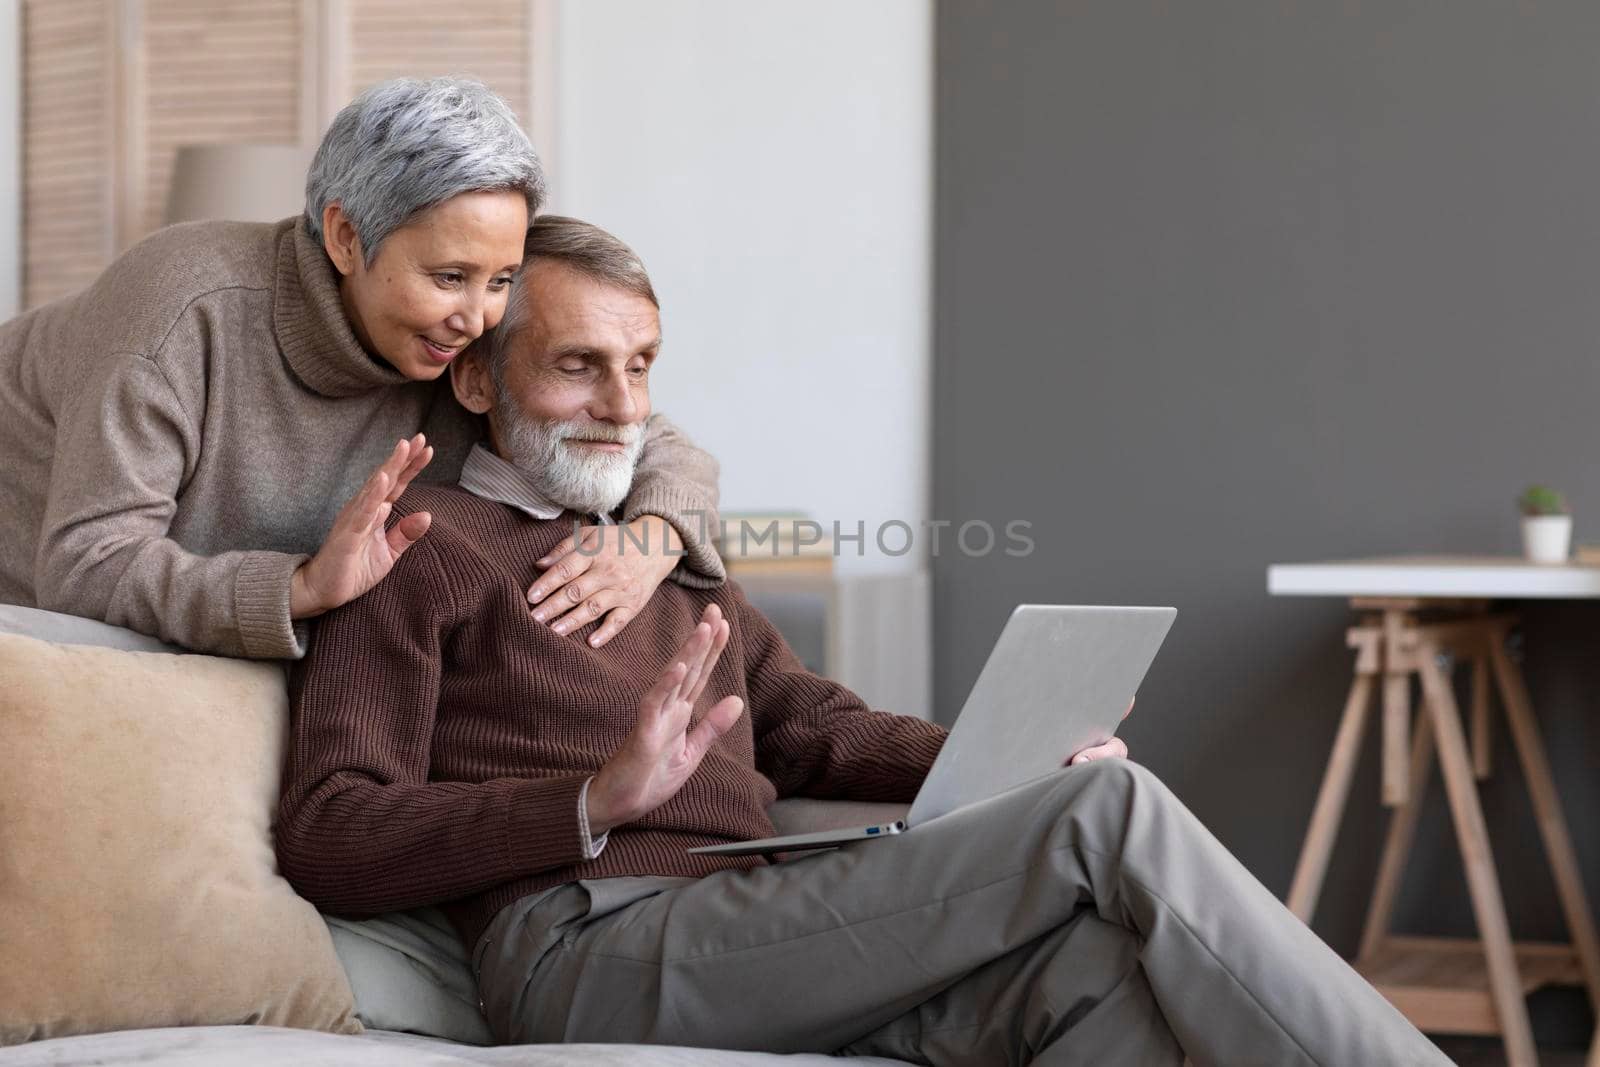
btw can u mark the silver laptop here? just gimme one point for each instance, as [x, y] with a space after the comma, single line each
[1058, 681]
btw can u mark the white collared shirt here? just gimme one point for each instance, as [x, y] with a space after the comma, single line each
[487, 475]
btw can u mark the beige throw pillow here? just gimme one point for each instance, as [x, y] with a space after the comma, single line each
[138, 886]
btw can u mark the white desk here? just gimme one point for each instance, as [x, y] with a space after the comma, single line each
[1418, 617]
[1463, 577]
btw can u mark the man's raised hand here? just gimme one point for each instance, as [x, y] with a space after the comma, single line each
[666, 746]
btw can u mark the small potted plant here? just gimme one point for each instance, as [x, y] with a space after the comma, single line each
[1546, 525]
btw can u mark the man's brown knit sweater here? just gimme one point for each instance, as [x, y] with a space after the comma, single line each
[441, 736]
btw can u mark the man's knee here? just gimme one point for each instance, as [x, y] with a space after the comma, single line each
[1110, 789]
[1120, 775]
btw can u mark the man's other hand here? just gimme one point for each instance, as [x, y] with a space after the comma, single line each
[1115, 748]
[666, 746]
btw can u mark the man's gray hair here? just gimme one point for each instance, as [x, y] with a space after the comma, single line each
[584, 247]
[405, 145]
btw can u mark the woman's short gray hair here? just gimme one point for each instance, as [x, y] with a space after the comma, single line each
[405, 145]
[584, 247]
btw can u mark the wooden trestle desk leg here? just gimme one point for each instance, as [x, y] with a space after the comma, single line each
[1396, 709]
[1552, 823]
[1332, 796]
[1483, 884]
[1397, 843]
[1481, 763]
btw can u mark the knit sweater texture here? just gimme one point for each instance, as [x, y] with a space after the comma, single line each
[441, 737]
[179, 436]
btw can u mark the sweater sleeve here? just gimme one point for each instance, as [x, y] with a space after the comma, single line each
[361, 828]
[124, 448]
[814, 737]
[678, 481]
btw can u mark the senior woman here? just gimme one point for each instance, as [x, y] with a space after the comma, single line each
[180, 436]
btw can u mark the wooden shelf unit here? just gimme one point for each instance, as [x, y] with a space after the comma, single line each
[1442, 983]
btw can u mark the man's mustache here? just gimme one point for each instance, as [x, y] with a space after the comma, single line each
[615, 435]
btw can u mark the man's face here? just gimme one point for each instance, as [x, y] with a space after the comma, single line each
[577, 386]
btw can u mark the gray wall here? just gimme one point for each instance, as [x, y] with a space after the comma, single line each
[1232, 283]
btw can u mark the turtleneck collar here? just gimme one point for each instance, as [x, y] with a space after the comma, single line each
[309, 320]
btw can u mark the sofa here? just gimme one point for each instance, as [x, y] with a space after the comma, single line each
[411, 995]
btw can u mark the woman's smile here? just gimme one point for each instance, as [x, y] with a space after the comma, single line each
[440, 353]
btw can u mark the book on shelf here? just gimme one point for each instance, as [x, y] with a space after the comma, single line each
[744, 569]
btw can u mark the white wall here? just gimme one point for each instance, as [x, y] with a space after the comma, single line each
[772, 164]
[10, 158]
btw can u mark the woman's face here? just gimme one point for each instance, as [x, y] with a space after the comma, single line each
[436, 283]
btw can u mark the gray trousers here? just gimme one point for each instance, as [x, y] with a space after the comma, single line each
[1087, 918]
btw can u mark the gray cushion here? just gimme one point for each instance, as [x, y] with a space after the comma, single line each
[73, 630]
[410, 972]
[265, 1046]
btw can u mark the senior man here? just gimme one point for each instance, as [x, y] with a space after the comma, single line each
[447, 749]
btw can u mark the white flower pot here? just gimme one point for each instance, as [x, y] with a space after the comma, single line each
[1546, 538]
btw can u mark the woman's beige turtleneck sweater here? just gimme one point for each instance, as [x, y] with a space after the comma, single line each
[179, 436]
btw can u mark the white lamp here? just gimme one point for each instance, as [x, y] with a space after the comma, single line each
[245, 182]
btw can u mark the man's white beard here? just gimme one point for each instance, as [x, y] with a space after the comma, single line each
[570, 476]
